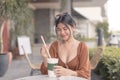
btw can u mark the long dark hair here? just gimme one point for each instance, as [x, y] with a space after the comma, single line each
[65, 19]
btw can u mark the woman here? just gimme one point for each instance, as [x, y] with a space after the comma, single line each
[72, 54]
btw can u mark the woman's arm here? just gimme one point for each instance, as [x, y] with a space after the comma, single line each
[84, 69]
[44, 55]
[52, 51]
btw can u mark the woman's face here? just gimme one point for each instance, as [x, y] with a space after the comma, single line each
[64, 32]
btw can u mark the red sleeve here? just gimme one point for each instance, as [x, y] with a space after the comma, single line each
[43, 69]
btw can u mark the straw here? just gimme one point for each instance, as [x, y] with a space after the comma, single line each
[45, 46]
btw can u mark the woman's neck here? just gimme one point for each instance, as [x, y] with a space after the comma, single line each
[71, 40]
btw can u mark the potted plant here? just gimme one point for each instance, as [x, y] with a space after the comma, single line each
[3, 56]
[15, 17]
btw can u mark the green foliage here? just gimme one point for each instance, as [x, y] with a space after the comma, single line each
[18, 12]
[20, 16]
[78, 37]
[104, 26]
[12, 8]
[109, 66]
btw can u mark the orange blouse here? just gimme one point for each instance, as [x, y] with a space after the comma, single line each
[80, 63]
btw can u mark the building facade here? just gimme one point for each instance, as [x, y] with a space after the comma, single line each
[45, 11]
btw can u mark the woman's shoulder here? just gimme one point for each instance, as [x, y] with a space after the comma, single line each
[54, 44]
[82, 48]
[82, 44]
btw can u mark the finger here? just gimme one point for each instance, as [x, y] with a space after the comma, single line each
[57, 73]
[41, 49]
[57, 67]
[56, 70]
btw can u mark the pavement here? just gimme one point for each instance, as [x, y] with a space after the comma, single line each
[20, 68]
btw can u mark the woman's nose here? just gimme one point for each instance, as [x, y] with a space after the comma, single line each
[62, 31]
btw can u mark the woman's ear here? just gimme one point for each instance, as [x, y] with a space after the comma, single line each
[74, 27]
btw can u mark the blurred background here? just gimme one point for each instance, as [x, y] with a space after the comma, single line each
[97, 24]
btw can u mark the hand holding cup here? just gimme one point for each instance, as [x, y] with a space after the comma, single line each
[51, 63]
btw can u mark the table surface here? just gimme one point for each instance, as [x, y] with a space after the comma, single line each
[45, 77]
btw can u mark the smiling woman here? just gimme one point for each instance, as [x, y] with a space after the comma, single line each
[72, 55]
[113, 13]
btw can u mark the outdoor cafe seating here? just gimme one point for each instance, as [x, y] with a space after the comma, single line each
[94, 61]
[25, 49]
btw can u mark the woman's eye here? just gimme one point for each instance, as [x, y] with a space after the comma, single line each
[65, 28]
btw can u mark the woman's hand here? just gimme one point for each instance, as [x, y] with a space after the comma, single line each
[61, 71]
[44, 52]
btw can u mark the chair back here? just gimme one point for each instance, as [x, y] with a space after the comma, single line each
[25, 49]
[27, 58]
[96, 57]
[34, 67]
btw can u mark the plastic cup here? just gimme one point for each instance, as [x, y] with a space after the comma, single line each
[51, 63]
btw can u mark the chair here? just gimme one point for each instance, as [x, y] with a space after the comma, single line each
[34, 67]
[96, 57]
[94, 61]
[25, 49]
